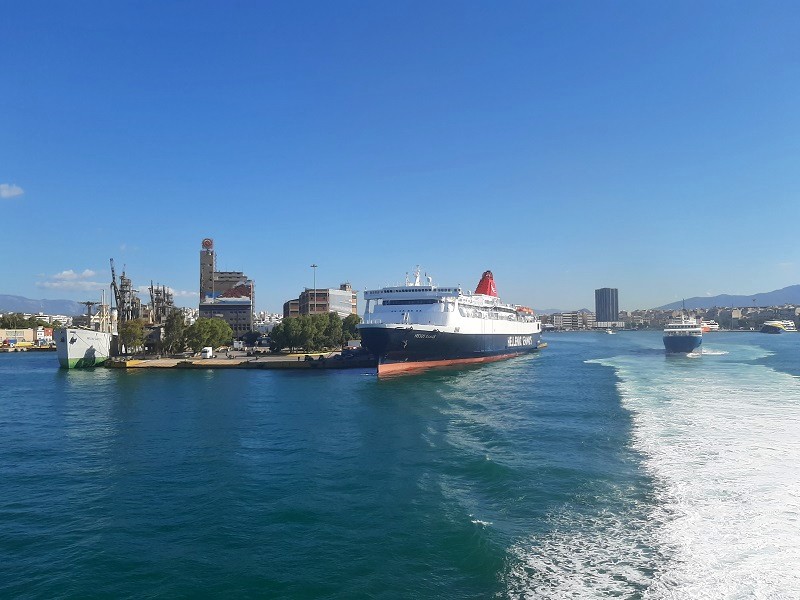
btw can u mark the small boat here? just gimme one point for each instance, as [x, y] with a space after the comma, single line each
[778, 327]
[610, 331]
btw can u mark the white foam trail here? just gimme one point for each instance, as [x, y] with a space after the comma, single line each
[720, 438]
[712, 352]
[601, 555]
[723, 442]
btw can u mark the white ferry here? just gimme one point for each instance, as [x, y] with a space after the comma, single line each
[419, 326]
[682, 335]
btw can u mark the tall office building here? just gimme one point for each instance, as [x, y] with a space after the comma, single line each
[606, 305]
[227, 295]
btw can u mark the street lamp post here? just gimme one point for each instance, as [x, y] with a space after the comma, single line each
[314, 266]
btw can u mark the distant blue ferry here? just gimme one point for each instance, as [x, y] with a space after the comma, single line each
[682, 335]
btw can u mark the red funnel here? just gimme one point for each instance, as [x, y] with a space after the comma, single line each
[486, 285]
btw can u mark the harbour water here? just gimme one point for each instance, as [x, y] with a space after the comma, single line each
[597, 467]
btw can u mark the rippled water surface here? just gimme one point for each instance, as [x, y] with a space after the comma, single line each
[599, 467]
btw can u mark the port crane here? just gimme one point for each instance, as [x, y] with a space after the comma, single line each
[129, 306]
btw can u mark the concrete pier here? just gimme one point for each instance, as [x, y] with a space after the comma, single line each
[240, 360]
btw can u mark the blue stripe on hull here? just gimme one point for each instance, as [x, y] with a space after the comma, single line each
[401, 345]
[682, 343]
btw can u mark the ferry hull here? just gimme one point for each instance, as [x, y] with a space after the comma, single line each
[682, 343]
[82, 348]
[408, 349]
[772, 329]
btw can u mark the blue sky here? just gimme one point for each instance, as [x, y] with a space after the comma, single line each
[652, 147]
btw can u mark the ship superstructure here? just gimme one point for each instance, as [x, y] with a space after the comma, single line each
[420, 325]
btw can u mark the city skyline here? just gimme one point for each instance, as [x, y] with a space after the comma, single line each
[565, 148]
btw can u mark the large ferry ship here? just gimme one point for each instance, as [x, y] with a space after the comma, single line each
[682, 335]
[420, 325]
[778, 327]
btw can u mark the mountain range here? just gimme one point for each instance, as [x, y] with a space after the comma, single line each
[787, 295]
[20, 304]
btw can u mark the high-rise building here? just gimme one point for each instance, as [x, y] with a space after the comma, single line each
[227, 295]
[606, 305]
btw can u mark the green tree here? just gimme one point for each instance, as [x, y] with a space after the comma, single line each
[310, 332]
[174, 332]
[278, 337]
[131, 334]
[307, 333]
[333, 331]
[251, 337]
[208, 332]
[349, 329]
[13, 321]
[292, 339]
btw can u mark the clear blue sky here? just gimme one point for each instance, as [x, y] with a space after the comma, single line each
[648, 146]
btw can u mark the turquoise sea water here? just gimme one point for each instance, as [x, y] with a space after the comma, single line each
[599, 467]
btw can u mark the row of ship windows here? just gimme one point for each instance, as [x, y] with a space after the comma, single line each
[489, 315]
[507, 311]
[476, 314]
[414, 289]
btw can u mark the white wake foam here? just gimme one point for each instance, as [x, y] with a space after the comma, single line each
[721, 440]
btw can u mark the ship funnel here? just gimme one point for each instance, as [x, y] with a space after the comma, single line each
[486, 285]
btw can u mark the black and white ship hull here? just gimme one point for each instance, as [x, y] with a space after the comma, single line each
[417, 326]
[404, 349]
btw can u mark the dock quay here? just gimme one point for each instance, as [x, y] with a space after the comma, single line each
[27, 349]
[234, 360]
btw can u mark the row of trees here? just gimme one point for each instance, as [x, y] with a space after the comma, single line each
[314, 332]
[310, 332]
[18, 321]
[177, 336]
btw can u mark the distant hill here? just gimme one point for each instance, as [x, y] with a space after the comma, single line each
[50, 307]
[787, 295]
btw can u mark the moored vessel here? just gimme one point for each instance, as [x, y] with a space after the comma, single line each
[707, 326]
[778, 326]
[682, 335]
[418, 326]
[89, 346]
[78, 348]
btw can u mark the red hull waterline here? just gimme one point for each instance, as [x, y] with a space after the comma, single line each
[411, 366]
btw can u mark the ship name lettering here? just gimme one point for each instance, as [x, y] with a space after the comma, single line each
[425, 336]
[519, 340]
